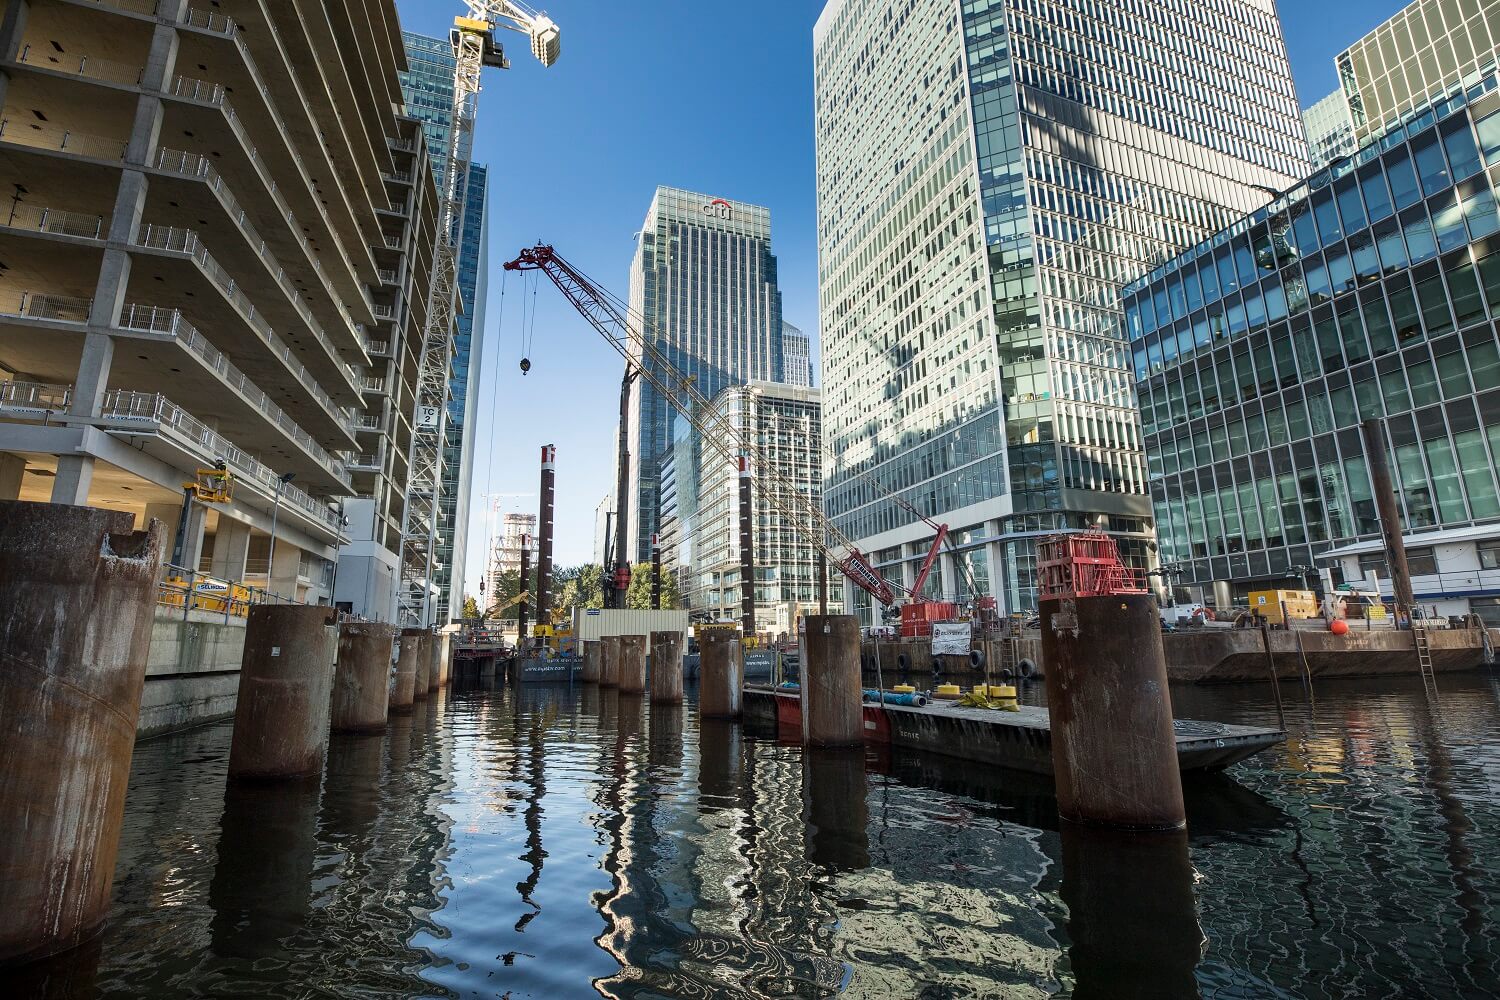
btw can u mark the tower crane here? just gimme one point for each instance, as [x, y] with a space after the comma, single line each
[607, 315]
[474, 47]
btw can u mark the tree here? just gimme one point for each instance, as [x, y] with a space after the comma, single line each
[579, 587]
[638, 594]
[471, 607]
[507, 586]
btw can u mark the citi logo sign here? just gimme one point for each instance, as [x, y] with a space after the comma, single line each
[719, 209]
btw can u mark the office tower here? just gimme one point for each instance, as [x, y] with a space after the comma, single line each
[973, 361]
[1430, 48]
[189, 279]
[1369, 291]
[1330, 130]
[427, 86]
[796, 355]
[704, 282]
[785, 420]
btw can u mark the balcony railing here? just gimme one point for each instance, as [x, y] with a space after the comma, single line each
[393, 242]
[365, 463]
[368, 422]
[373, 383]
[43, 305]
[40, 136]
[383, 311]
[52, 220]
[147, 7]
[162, 320]
[378, 347]
[409, 145]
[387, 275]
[129, 407]
[399, 176]
[95, 69]
[186, 241]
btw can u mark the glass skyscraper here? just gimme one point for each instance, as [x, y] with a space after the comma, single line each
[704, 281]
[427, 87]
[989, 174]
[1370, 291]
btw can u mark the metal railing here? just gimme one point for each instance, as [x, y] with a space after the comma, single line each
[40, 136]
[162, 320]
[45, 305]
[387, 275]
[52, 220]
[190, 590]
[399, 176]
[86, 66]
[147, 7]
[378, 347]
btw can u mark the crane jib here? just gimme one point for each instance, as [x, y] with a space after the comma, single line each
[857, 568]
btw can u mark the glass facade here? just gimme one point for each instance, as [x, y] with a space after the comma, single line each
[1369, 291]
[796, 356]
[1330, 130]
[1428, 49]
[972, 253]
[427, 88]
[704, 282]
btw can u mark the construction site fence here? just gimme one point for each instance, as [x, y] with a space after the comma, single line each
[187, 590]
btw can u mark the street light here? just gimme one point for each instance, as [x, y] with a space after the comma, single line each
[338, 541]
[281, 482]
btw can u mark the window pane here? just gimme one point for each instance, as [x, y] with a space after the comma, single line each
[1489, 137]
[1423, 380]
[1419, 242]
[1431, 167]
[1478, 480]
[1392, 248]
[1403, 178]
[1453, 374]
[1378, 326]
[1479, 210]
[1376, 195]
[1352, 333]
[1404, 313]
[1448, 221]
[1463, 155]
[1445, 481]
[1433, 299]
[1393, 390]
[1463, 289]
[1351, 208]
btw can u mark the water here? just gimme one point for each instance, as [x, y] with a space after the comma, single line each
[554, 844]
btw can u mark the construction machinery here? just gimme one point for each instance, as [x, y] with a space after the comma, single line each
[474, 47]
[607, 315]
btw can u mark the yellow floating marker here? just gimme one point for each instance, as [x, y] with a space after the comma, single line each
[950, 691]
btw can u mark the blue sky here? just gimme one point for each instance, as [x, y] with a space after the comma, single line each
[712, 96]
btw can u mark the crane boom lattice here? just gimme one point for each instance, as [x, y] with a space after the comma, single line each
[474, 47]
[609, 317]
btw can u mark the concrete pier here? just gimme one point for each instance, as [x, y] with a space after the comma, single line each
[720, 674]
[362, 677]
[666, 668]
[419, 684]
[286, 687]
[77, 592]
[609, 661]
[434, 645]
[632, 664]
[1114, 751]
[832, 695]
[404, 682]
[589, 674]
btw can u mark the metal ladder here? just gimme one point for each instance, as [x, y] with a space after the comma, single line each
[1424, 657]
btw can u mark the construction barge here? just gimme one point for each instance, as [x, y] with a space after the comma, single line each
[1020, 739]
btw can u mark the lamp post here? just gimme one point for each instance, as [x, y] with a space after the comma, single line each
[281, 482]
[338, 541]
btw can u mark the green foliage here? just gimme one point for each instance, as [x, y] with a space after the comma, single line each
[506, 587]
[578, 587]
[638, 594]
[471, 607]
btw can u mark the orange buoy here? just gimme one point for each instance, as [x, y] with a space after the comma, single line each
[1338, 627]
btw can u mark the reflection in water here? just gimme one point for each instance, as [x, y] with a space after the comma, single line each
[555, 842]
[1132, 929]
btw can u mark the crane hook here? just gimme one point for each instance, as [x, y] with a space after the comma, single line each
[525, 365]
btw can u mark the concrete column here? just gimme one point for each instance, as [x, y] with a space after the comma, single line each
[445, 659]
[720, 668]
[286, 564]
[832, 693]
[286, 683]
[13, 28]
[404, 682]
[434, 643]
[231, 549]
[77, 592]
[421, 679]
[632, 664]
[161, 59]
[12, 469]
[1114, 752]
[170, 514]
[609, 661]
[589, 672]
[361, 677]
[666, 668]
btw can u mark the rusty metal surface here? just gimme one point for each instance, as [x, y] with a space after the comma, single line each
[632, 664]
[832, 695]
[404, 680]
[609, 661]
[721, 668]
[361, 677]
[666, 668]
[77, 593]
[286, 687]
[420, 678]
[1114, 751]
[433, 644]
[589, 674]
